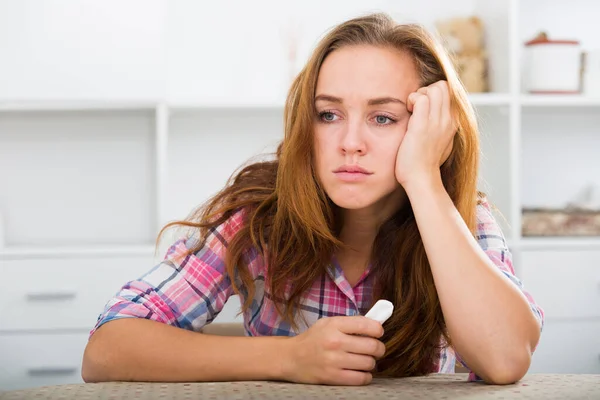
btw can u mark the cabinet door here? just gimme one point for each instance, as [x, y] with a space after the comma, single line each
[566, 284]
[568, 347]
[60, 293]
[34, 360]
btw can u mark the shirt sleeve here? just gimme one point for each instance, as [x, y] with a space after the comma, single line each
[491, 239]
[186, 291]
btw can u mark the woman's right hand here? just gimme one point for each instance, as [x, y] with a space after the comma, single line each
[331, 352]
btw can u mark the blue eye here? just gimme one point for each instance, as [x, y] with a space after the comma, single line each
[383, 120]
[327, 116]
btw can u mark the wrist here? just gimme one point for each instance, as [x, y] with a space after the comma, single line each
[282, 352]
[420, 182]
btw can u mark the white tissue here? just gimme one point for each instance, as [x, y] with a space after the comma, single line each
[381, 311]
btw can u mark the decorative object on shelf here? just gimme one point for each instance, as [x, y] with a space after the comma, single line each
[464, 39]
[591, 73]
[552, 66]
[581, 217]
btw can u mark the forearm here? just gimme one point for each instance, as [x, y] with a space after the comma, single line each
[488, 318]
[135, 349]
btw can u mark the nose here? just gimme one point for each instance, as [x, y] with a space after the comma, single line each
[353, 140]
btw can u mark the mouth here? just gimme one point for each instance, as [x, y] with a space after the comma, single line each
[352, 173]
[352, 169]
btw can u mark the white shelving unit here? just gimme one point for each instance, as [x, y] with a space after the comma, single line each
[94, 163]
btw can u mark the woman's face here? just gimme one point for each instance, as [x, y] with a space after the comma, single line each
[361, 120]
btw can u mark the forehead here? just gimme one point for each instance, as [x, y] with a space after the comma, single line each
[367, 72]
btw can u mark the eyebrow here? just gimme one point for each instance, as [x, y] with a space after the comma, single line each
[371, 102]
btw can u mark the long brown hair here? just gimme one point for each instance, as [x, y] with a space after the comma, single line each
[291, 222]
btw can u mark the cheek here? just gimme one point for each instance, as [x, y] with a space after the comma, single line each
[388, 148]
[323, 142]
[321, 150]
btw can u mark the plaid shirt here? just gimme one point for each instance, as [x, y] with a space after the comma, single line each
[190, 291]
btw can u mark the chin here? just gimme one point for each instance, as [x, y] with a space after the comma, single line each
[354, 201]
[363, 196]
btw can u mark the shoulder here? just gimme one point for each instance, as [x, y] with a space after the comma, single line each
[212, 245]
[488, 231]
[221, 233]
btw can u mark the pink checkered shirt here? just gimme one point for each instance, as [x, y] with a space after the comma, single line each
[189, 291]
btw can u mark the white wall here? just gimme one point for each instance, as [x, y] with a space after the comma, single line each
[85, 49]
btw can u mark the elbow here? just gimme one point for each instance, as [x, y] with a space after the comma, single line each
[94, 362]
[508, 368]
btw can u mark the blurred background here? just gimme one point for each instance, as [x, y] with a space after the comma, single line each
[117, 117]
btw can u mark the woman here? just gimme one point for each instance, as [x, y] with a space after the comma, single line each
[372, 194]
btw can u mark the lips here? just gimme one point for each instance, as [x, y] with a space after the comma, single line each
[352, 169]
[352, 173]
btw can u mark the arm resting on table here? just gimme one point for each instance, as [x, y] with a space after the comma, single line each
[133, 349]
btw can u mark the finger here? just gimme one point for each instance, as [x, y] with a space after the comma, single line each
[348, 377]
[413, 96]
[410, 101]
[364, 345]
[435, 104]
[420, 109]
[446, 110]
[357, 362]
[360, 325]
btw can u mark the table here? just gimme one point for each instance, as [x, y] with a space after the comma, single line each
[435, 386]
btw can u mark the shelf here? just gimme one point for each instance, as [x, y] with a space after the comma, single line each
[483, 99]
[490, 99]
[89, 178]
[200, 105]
[75, 105]
[478, 99]
[559, 101]
[26, 252]
[558, 243]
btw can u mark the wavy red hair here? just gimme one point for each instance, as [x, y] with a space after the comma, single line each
[291, 221]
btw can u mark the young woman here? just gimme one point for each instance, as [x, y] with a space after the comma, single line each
[372, 195]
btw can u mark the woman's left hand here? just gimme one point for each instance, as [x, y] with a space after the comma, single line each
[428, 139]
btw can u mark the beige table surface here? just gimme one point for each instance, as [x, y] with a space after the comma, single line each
[436, 386]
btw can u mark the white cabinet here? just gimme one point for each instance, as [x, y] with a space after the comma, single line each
[77, 177]
[567, 286]
[568, 347]
[41, 359]
[62, 293]
[565, 283]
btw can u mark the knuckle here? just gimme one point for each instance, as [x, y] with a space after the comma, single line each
[435, 89]
[333, 342]
[362, 324]
[381, 349]
[422, 100]
[330, 358]
[321, 322]
[371, 364]
[373, 346]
